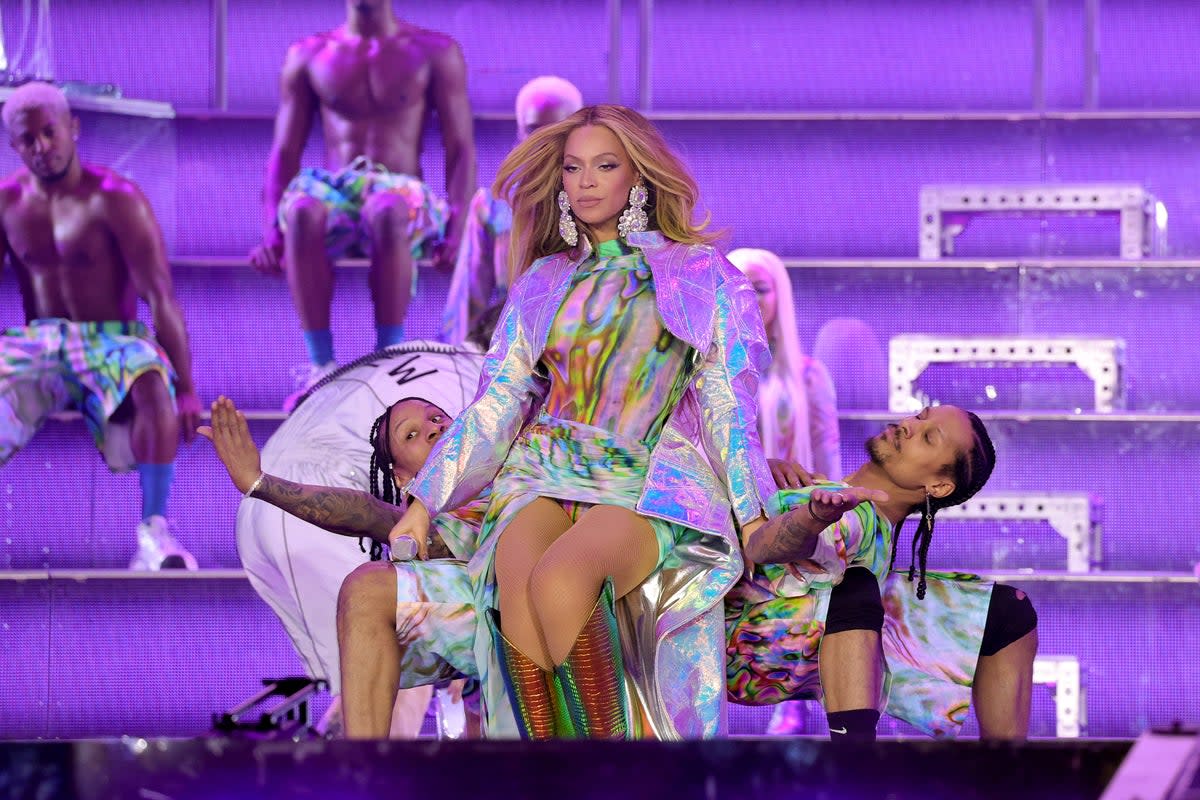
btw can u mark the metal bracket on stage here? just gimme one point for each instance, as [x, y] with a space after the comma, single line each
[1075, 516]
[946, 211]
[1101, 359]
[1063, 675]
[285, 720]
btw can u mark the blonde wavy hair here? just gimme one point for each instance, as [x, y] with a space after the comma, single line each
[531, 177]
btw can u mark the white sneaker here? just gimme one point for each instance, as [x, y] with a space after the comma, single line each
[306, 377]
[157, 548]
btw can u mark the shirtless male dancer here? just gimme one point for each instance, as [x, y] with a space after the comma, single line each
[86, 246]
[372, 81]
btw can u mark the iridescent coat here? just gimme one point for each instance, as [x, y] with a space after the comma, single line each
[707, 472]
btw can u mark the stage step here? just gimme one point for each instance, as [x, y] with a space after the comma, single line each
[174, 162]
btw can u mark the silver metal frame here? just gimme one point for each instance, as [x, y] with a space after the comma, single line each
[947, 209]
[1062, 673]
[1101, 359]
[1074, 516]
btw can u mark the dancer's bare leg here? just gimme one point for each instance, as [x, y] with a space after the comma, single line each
[370, 651]
[851, 665]
[386, 218]
[1003, 688]
[408, 713]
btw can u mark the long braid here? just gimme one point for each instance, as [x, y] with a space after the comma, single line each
[924, 555]
[374, 458]
[920, 547]
[970, 471]
[383, 484]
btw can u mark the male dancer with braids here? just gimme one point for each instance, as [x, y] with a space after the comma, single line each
[318, 465]
[820, 613]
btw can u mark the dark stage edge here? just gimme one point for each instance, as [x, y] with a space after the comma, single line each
[183, 769]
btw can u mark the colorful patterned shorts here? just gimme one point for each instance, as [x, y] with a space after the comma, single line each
[344, 193]
[435, 622]
[931, 648]
[55, 364]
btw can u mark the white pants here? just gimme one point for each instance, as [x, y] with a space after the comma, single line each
[298, 569]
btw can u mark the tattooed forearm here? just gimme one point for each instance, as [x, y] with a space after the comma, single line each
[789, 537]
[348, 512]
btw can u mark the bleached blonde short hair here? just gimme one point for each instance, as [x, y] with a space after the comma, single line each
[547, 90]
[36, 94]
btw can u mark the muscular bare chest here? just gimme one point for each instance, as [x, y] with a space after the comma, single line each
[371, 77]
[57, 236]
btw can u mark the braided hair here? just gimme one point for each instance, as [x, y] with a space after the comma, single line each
[383, 482]
[970, 471]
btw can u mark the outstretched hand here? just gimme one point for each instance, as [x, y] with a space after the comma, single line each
[828, 505]
[230, 434]
[413, 525]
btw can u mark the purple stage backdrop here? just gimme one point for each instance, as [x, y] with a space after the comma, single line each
[811, 127]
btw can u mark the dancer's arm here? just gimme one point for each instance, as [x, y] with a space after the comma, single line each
[823, 427]
[474, 278]
[448, 88]
[795, 535]
[348, 512]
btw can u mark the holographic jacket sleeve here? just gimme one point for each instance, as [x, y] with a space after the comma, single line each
[474, 276]
[727, 388]
[475, 445]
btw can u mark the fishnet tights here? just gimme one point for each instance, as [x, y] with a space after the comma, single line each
[549, 571]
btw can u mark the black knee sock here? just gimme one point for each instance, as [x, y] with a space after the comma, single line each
[852, 726]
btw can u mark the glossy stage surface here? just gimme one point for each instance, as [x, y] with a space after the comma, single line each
[228, 768]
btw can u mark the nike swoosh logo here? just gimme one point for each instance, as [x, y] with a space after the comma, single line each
[838, 730]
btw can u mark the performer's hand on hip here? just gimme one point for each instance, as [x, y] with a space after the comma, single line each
[230, 434]
[790, 475]
[413, 525]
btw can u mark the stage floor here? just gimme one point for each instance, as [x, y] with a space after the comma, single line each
[234, 768]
